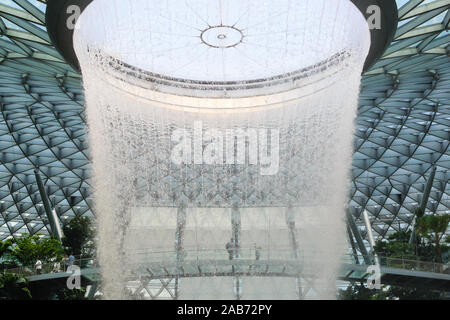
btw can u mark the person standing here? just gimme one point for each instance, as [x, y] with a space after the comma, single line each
[257, 252]
[71, 260]
[229, 247]
[56, 267]
[38, 266]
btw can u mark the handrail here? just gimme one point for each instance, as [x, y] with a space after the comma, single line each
[51, 267]
[245, 254]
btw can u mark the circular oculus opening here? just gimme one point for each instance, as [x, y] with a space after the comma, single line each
[222, 37]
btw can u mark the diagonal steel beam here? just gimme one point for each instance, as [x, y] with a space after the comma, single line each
[423, 205]
[55, 229]
[358, 237]
[352, 244]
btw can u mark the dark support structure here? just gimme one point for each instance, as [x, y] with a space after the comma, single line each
[351, 272]
[236, 242]
[58, 14]
[381, 38]
[423, 205]
[290, 221]
[352, 243]
[48, 209]
[359, 240]
[181, 224]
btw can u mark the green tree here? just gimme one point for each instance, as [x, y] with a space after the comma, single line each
[79, 236]
[66, 294]
[5, 247]
[409, 293]
[433, 227]
[357, 291]
[13, 287]
[397, 246]
[396, 252]
[28, 248]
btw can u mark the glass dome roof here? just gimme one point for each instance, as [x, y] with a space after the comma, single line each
[403, 127]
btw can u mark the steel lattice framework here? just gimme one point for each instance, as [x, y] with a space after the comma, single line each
[403, 124]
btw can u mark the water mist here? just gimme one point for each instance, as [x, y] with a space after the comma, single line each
[221, 140]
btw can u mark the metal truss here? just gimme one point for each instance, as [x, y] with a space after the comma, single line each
[403, 124]
[42, 125]
[154, 289]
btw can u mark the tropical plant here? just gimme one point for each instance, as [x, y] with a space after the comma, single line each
[408, 293]
[357, 291]
[433, 227]
[28, 248]
[13, 287]
[79, 236]
[76, 294]
[5, 247]
[396, 249]
[396, 246]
